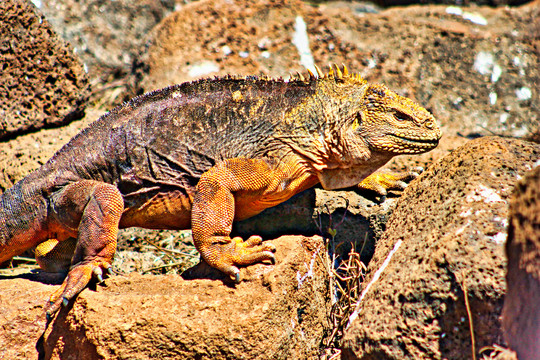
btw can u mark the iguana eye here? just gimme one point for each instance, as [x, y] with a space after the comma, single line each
[401, 116]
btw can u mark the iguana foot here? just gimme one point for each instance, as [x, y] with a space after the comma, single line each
[380, 182]
[226, 254]
[77, 279]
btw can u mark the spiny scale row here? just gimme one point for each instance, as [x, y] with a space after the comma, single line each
[334, 73]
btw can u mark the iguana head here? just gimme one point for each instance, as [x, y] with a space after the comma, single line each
[390, 123]
[374, 124]
[375, 116]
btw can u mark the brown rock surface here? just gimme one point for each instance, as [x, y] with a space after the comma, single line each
[277, 311]
[453, 2]
[451, 224]
[107, 35]
[207, 38]
[42, 83]
[453, 66]
[521, 314]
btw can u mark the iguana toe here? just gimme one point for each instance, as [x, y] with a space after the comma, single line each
[226, 254]
[383, 181]
[76, 281]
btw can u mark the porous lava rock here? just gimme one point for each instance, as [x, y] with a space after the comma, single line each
[521, 314]
[42, 83]
[108, 36]
[448, 232]
[276, 312]
[452, 2]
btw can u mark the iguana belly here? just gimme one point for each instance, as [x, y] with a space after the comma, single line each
[164, 210]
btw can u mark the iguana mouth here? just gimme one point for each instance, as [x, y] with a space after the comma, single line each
[423, 143]
[412, 146]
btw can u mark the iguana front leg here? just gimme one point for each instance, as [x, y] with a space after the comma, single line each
[381, 181]
[233, 189]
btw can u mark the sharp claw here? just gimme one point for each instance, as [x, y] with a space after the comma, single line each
[65, 301]
[99, 274]
[273, 260]
[401, 185]
[237, 278]
[48, 316]
[109, 270]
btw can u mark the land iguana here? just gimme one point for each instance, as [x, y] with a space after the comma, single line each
[203, 154]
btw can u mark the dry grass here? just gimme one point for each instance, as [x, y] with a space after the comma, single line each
[345, 284]
[156, 252]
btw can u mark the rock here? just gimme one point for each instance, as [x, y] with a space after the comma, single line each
[25, 153]
[22, 320]
[521, 314]
[108, 36]
[454, 2]
[451, 224]
[359, 221]
[207, 38]
[277, 311]
[43, 84]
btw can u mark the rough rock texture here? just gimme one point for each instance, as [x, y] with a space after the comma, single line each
[21, 319]
[452, 224]
[277, 312]
[42, 83]
[207, 38]
[453, 2]
[25, 153]
[107, 35]
[477, 78]
[521, 314]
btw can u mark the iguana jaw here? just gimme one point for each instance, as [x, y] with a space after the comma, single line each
[405, 145]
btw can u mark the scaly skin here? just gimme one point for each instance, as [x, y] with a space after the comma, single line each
[202, 155]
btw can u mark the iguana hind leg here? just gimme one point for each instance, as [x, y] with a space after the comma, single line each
[98, 207]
